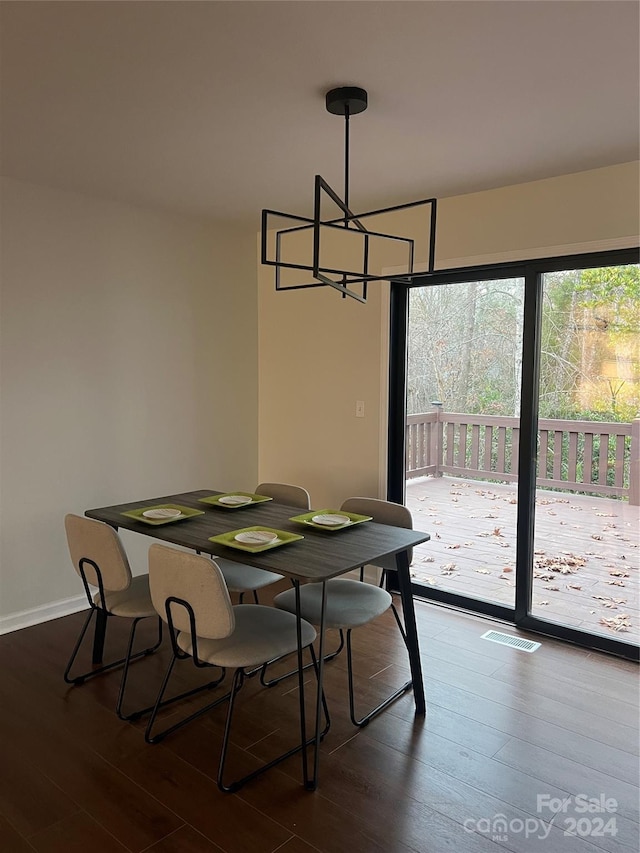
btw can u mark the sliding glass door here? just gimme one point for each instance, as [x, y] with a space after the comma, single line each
[464, 377]
[585, 568]
[514, 439]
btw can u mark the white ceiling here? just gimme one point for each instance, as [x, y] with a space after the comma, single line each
[217, 108]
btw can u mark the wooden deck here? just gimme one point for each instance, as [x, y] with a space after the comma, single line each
[587, 558]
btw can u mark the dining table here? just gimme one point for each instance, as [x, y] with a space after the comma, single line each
[322, 554]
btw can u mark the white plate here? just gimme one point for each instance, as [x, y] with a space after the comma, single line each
[234, 500]
[256, 537]
[162, 512]
[331, 520]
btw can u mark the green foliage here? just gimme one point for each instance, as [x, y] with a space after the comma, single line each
[465, 346]
[613, 294]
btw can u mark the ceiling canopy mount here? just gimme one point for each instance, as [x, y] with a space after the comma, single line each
[346, 100]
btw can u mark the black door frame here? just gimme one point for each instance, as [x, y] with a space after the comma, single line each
[532, 272]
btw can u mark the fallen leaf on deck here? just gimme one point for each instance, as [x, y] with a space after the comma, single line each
[616, 583]
[573, 586]
[483, 571]
[507, 569]
[452, 547]
[596, 536]
[566, 563]
[618, 573]
[611, 603]
[428, 560]
[622, 622]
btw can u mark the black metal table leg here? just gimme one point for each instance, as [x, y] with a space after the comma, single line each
[404, 582]
[303, 722]
[313, 783]
[99, 635]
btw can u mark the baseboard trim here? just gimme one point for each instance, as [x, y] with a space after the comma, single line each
[43, 613]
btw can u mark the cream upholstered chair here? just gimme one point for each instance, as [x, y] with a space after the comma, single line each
[352, 603]
[241, 578]
[191, 595]
[98, 556]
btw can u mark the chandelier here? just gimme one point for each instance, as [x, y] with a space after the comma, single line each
[342, 249]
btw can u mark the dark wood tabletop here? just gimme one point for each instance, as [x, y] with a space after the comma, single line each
[321, 555]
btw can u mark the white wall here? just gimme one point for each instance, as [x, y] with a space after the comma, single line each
[319, 353]
[128, 370]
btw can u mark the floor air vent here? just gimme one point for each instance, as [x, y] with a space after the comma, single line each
[509, 640]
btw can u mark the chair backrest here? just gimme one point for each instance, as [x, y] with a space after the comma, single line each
[97, 541]
[382, 512]
[196, 580]
[284, 493]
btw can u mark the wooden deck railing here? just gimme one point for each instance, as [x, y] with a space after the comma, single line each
[580, 456]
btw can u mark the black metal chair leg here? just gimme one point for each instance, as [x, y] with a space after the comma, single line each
[135, 715]
[238, 681]
[152, 739]
[400, 625]
[99, 635]
[255, 596]
[273, 681]
[125, 671]
[363, 721]
[80, 679]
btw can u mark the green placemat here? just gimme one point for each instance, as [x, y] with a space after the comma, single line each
[307, 518]
[230, 541]
[214, 500]
[185, 512]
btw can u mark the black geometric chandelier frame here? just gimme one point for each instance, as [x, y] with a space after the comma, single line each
[310, 234]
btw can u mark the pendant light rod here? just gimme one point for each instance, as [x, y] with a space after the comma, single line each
[346, 101]
[346, 161]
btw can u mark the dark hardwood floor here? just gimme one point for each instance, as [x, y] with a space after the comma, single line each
[508, 737]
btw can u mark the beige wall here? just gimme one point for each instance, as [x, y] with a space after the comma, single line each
[319, 353]
[128, 369]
